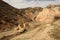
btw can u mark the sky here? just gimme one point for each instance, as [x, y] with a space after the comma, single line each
[31, 3]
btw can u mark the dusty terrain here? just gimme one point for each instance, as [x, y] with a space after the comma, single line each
[29, 23]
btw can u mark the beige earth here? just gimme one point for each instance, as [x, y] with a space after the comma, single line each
[48, 14]
[41, 32]
[29, 23]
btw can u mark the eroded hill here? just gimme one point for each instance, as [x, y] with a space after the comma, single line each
[29, 23]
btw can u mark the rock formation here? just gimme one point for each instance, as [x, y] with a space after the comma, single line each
[48, 14]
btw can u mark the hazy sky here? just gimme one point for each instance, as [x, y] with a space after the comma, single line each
[31, 3]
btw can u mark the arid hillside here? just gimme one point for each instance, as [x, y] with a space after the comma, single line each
[10, 16]
[29, 23]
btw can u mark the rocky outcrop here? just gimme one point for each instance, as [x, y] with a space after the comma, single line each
[48, 14]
